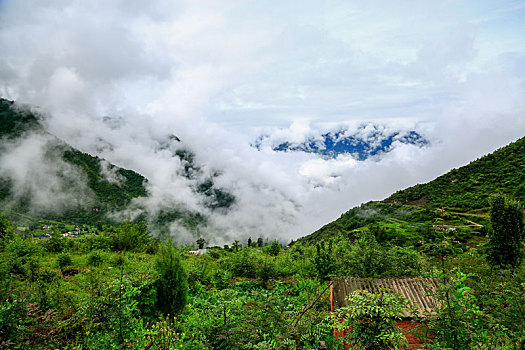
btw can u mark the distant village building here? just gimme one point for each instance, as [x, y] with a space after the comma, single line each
[417, 291]
[69, 234]
[198, 251]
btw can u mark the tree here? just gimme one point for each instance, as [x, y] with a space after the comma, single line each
[249, 242]
[260, 242]
[367, 258]
[200, 243]
[370, 320]
[130, 236]
[274, 248]
[323, 261]
[6, 229]
[172, 281]
[506, 233]
[236, 246]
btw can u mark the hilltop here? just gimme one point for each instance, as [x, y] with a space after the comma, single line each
[470, 186]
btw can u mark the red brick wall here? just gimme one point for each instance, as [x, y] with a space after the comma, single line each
[412, 331]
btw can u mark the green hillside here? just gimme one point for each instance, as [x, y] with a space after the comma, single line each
[470, 186]
[408, 214]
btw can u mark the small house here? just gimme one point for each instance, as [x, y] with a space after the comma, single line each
[198, 251]
[417, 291]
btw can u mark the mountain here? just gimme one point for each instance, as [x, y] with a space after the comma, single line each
[366, 141]
[104, 196]
[470, 186]
[95, 187]
[463, 192]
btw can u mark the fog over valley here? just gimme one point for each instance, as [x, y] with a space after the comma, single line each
[258, 95]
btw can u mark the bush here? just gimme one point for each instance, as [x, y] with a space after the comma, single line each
[152, 247]
[130, 236]
[274, 248]
[64, 260]
[242, 264]
[6, 230]
[221, 279]
[506, 235]
[266, 271]
[99, 242]
[119, 260]
[54, 244]
[199, 271]
[172, 281]
[95, 259]
[21, 247]
[370, 318]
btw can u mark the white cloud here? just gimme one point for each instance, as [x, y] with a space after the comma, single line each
[216, 73]
[40, 177]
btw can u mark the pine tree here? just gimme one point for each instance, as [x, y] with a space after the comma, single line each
[506, 234]
[172, 281]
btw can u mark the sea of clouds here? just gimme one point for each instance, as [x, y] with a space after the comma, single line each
[220, 74]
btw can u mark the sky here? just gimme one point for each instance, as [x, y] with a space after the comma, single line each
[218, 74]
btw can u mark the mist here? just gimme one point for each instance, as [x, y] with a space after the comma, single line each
[116, 79]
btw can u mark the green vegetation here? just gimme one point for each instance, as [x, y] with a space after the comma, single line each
[506, 235]
[172, 282]
[470, 187]
[82, 282]
[92, 291]
[119, 288]
[372, 317]
[15, 122]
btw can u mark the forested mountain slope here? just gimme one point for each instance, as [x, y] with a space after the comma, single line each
[470, 186]
[106, 188]
[105, 195]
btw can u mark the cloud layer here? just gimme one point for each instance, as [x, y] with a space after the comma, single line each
[217, 73]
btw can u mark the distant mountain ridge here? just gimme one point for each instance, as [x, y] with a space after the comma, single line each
[366, 141]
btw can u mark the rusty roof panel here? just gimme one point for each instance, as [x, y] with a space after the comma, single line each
[417, 290]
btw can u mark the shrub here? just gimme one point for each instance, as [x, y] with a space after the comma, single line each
[119, 260]
[266, 271]
[6, 230]
[506, 235]
[172, 281]
[323, 260]
[242, 264]
[221, 279]
[152, 247]
[274, 248]
[54, 244]
[99, 242]
[130, 236]
[95, 258]
[371, 318]
[64, 260]
[21, 247]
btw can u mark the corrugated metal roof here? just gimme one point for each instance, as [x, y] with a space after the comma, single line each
[417, 290]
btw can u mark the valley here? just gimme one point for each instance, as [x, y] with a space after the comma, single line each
[82, 279]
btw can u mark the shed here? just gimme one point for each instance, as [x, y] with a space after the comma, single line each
[417, 290]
